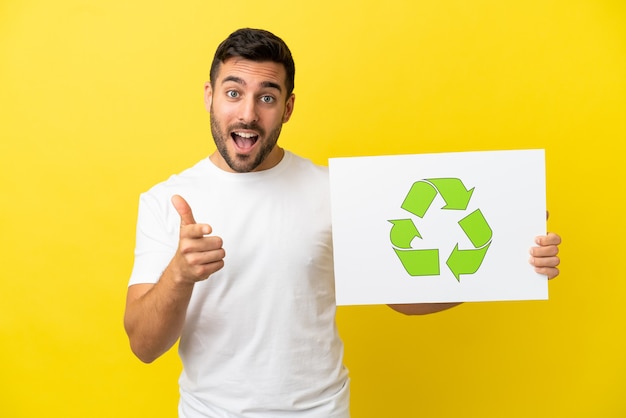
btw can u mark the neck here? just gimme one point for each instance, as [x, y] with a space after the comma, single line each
[272, 160]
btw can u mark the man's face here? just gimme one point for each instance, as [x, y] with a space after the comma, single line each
[248, 104]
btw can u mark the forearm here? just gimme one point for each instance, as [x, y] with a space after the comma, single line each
[422, 308]
[155, 315]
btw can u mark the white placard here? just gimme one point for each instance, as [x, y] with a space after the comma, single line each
[450, 227]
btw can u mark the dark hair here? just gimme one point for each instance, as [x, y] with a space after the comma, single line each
[255, 45]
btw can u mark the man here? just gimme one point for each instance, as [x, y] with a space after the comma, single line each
[234, 257]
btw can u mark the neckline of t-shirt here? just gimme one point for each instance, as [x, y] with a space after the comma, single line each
[253, 175]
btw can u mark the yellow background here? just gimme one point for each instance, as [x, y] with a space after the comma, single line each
[102, 99]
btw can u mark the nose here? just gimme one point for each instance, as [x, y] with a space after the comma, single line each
[248, 110]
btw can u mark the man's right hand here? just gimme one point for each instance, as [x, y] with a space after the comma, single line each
[155, 312]
[199, 254]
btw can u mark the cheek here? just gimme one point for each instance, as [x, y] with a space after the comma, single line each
[222, 114]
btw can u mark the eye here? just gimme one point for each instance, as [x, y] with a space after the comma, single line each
[232, 94]
[267, 99]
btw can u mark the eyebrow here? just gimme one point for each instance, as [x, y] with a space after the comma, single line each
[238, 80]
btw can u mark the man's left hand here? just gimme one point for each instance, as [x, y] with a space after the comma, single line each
[544, 257]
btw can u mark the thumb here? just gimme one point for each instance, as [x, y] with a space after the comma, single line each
[184, 210]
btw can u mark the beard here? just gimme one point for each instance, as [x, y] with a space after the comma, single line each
[243, 163]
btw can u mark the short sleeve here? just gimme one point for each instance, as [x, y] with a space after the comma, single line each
[156, 241]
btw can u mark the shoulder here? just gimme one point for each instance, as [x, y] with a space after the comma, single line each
[304, 165]
[190, 176]
[157, 198]
[307, 180]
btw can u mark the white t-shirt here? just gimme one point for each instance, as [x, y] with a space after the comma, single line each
[260, 338]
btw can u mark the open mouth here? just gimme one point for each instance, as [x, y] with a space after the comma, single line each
[244, 140]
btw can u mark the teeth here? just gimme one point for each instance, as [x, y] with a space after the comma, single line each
[245, 134]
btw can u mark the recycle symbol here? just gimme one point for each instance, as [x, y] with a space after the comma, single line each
[425, 262]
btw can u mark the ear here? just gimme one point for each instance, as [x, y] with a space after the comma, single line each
[289, 107]
[208, 96]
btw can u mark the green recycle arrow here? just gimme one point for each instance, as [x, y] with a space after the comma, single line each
[426, 262]
[466, 261]
[479, 233]
[419, 262]
[476, 228]
[403, 232]
[423, 192]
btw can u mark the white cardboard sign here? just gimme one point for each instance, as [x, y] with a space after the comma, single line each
[450, 227]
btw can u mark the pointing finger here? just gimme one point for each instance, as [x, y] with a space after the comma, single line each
[184, 210]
